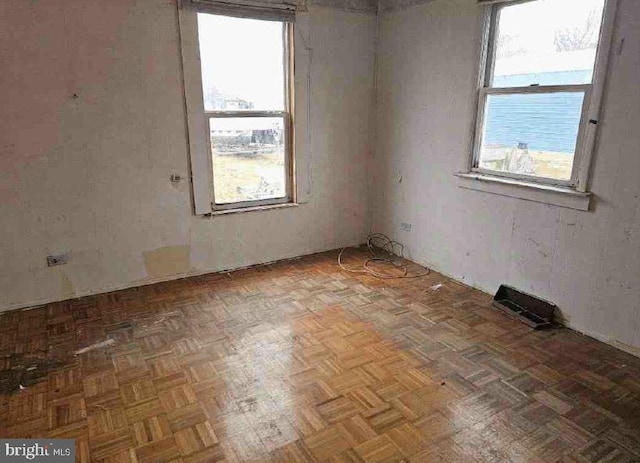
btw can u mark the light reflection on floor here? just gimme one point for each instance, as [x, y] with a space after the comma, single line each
[302, 362]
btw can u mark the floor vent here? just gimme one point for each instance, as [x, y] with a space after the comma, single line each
[530, 310]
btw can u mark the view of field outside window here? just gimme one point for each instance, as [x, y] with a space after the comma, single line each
[546, 42]
[249, 159]
[243, 70]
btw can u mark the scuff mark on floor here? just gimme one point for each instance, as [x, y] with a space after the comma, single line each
[20, 371]
[97, 345]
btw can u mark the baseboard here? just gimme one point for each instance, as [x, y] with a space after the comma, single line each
[632, 350]
[635, 351]
[155, 280]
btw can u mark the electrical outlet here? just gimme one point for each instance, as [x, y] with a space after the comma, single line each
[58, 259]
[404, 226]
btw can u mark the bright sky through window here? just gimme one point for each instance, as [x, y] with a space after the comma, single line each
[242, 63]
[548, 36]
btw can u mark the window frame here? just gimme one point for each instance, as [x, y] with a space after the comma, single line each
[198, 119]
[589, 117]
[287, 116]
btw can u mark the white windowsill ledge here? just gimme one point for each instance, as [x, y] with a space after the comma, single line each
[547, 194]
[241, 210]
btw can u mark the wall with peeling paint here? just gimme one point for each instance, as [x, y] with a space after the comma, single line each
[93, 126]
[586, 262]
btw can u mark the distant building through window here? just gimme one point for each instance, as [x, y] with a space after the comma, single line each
[245, 87]
[538, 79]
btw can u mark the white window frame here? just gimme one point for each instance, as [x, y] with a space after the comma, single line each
[198, 119]
[589, 119]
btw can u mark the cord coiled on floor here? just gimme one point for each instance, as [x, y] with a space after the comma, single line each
[382, 249]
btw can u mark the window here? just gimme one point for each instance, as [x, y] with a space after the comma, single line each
[540, 89]
[239, 101]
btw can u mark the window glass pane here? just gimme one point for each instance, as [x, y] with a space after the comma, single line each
[248, 158]
[531, 134]
[242, 63]
[547, 42]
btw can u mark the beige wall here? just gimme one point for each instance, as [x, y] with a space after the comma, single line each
[586, 262]
[93, 126]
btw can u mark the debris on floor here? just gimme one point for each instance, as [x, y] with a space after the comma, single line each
[22, 371]
[97, 345]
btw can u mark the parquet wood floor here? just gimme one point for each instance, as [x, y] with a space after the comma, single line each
[300, 361]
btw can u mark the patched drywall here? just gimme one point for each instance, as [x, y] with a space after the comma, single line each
[93, 127]
[586, 262]
[66, 286]
[168, 260]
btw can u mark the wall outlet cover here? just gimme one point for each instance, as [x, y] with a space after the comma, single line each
[58, 259]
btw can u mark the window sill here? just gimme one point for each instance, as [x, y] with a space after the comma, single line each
[547, 194]
[241, 210]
